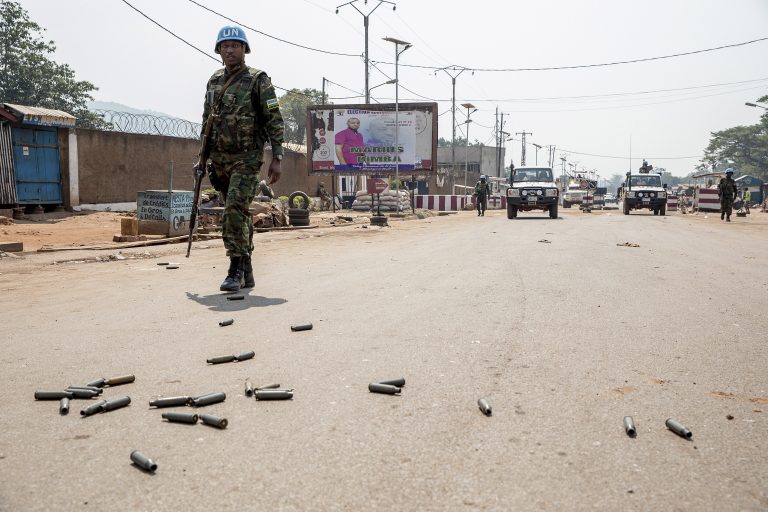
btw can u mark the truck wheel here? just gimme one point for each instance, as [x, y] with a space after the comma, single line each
[655, 211]
[510, 213]
[663, 210]
[553, 211]
[626, 208]
[514, 212]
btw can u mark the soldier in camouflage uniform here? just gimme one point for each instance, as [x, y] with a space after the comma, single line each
[242, 106]
[727, 190]
[482, 193]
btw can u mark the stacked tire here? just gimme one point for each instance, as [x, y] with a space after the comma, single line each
[298, 216]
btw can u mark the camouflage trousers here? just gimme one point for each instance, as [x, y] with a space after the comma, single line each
[726, 206]
[237, 225]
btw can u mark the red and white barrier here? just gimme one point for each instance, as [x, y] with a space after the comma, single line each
[672, 203]
[706, 199]
[442, 203]
[496, 202]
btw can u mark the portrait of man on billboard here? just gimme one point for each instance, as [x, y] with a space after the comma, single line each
[349, 144]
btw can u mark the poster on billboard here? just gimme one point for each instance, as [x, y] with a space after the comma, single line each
[352, 139]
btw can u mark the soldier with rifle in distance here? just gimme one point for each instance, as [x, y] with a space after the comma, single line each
[241, 114]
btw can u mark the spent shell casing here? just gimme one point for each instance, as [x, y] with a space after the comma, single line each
[269, 386]
[220, 359]
[64, 406]
[302, 327]
[245, 355]
[98, 383]
[181, 417]
[394, 382]
[224, 323]
[235, 297]
[171, 401]
[53, 395]
[387, 389]
[678, 428]
[214, 421]
[82, 393]
[273, 394]
[485, 406]
[171, 267]
[629, 426]
[143, 461]
[116, 403]
[248, 387]
[93, 409]
[90, 388]
[123, 379]
[210, 398]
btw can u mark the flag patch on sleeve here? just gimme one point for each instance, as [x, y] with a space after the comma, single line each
[273, 104]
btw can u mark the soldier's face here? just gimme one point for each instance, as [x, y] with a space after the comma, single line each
[232, 52]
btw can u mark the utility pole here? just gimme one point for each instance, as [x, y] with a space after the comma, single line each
[497, 133]
[501, 146]
[405, 44]
[453, 122]
[323, 102]
[468, 106]
[522, 155]
[538, 147]
[551, 155]
[365, 24]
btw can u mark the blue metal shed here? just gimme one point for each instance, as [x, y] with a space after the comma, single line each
[35, 153]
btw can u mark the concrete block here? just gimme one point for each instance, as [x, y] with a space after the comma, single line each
[129, 238]
[129, 226]
[12, 246]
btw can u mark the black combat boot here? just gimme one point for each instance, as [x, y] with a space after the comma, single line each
[248, 281]
[234, 280]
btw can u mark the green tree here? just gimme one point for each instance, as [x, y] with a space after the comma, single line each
[293, 105]
[29, 77]
[460, 142]
[742, 147]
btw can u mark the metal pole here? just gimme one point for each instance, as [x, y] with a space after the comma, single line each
[170, 177]
[453, 138]
[397, 131]
[323, 91]
[466, 156]
[367, 90]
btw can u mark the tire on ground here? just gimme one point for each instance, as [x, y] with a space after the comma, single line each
[304, 203]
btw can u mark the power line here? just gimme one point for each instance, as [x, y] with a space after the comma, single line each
[328, 52]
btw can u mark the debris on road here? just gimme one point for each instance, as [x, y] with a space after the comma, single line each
[214, 421]
[220, 359]
[729, 417]
[116, 403]
[208, 399]
[93, 409]
[171, 401]
[394, 382]
[248, 387]
[268, 386]
[629, 426]
[302, 327]
[143, 461]
[545, 241]
[235, 297]
[273, 394]
[225, 323]
[678, 428]
[64, 406]
[171, 267]
[180, 417]
[245, 355]
[53, 395]
[116, 381]
[485, 407]
[628, 244]
[387, 389]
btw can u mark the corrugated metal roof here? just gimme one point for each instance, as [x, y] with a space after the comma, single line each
[41, 116]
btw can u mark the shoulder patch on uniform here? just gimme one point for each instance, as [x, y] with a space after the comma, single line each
[273, 104]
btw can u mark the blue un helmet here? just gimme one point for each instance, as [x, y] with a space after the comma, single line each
[729, 171]
[232, 34]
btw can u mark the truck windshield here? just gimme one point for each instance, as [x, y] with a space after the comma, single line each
[645, 181]
[533, 175]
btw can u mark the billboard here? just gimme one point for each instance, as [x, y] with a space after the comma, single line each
[365, 139]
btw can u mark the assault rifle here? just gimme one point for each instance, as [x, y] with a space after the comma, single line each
[205, 152]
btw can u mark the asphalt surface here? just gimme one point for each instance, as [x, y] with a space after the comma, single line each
[563, 339]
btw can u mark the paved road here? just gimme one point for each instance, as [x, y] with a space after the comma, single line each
[563, 338]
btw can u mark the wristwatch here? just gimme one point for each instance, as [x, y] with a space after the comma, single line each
[278, 157]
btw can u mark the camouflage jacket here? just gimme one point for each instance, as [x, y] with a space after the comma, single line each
[245, 117]
[482, 189]
[727, 189]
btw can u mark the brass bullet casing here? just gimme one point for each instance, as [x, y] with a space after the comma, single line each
[629, 426]
[387, 389]
[485, 406]
[123, 379]
[214, 421]
[220, 359]
[394, 382]
[273, 394]
[248, 387]
[171, 401]
[678, 428]
[302, 327]
[143, 461]
[245, 355]
[224, 323]
[117, 403]
[210, 398]
[93, 409]
[64, 406]
[53, 395]
[181, 417]
[98, 383]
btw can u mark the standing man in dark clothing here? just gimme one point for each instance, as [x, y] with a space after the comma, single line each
[727, 191]
[242, 108]
[482, 193]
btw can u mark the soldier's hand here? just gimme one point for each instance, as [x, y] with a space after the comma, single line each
[198, 167]
[275, 170]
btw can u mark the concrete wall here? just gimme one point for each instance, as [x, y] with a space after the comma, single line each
[484, 155]
[113, 166]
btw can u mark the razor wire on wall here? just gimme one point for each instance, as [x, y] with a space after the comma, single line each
[149, 124]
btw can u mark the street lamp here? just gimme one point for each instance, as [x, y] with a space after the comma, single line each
[755, 105]
[538, 147]
[365, 23]
[393, 81]
[468, 106]
[398, 51]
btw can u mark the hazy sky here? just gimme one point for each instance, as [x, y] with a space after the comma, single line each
[136, 63]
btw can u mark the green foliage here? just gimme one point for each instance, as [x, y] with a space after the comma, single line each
[30, 78]
[460, 142]
[293, 106]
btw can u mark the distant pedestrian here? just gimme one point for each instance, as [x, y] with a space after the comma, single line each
[747, 198]
[727, 192]
[482, 193]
